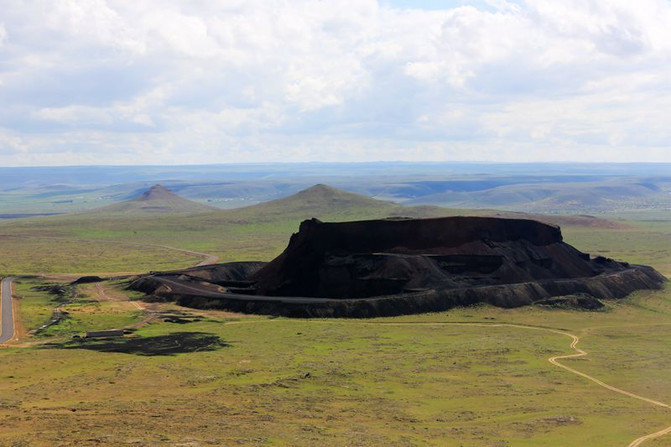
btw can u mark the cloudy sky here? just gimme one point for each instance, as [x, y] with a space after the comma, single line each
[172, 82]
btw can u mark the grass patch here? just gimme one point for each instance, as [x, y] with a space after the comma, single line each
[37, 304]
[41, 300]
[399, 381]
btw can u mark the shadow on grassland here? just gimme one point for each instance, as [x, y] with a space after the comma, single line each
[175, 343]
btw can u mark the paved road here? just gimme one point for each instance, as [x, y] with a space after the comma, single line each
[7, 318]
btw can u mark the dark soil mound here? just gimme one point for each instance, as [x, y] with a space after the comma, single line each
[87, 280]
[228, 274]
[581, 301]
[402, 266]
[213, 277]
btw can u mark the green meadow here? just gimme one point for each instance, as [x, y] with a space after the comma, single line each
[452, 378]
[465, 377]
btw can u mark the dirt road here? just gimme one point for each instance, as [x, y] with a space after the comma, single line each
[553, 360]
[7, 318]
[209, 258]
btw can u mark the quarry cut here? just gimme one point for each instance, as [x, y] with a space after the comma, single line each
[403, 266]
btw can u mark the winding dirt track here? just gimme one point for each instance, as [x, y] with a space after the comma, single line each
[554, 361]
[209, 258]
[654, 435]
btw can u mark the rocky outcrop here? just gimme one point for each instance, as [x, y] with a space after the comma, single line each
[403, 266]
[383, 257]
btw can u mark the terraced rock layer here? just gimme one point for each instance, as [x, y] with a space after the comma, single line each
[402, 266]
[382, 257]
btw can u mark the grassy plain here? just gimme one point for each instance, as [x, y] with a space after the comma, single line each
[414, 380]
[452, 378]
[36, 254]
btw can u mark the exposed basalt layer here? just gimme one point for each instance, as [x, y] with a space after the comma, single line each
[383, 257]
[228, 274]
[395, 267]
[579, 301]
[215, 278]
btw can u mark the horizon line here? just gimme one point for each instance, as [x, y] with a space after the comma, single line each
[405, 162]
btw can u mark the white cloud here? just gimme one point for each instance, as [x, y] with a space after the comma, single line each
[119, 82]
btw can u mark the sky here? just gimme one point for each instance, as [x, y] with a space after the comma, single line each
[87, 82]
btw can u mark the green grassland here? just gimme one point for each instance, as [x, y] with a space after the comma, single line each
[414, 380]
[638, 241]
[36, 306]
[451, 378]
[38, 254]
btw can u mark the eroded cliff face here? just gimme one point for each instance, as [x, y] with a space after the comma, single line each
[383, 257]
[403, 266]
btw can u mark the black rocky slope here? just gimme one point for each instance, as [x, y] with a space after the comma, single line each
[393, 267]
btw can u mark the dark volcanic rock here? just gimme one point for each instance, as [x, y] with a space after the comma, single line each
[383, 257]
[87, 280]
[580, 301]
[228, 274]
[402, 266]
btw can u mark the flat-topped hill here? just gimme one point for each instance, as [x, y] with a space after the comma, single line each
[381, 257]
[401, 266]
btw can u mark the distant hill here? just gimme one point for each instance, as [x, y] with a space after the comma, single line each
[329, 203]
[156, 200]
[321, 201]
[571, 197]
[566, 188]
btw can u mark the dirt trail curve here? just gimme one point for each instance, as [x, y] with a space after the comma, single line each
[580, 353]
[555, 361]
[654, 435]
[210, 258]
[7, 318]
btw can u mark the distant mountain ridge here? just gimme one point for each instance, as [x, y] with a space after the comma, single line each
[566, 188]
[324, 201]
[320, 201]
